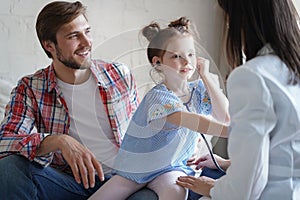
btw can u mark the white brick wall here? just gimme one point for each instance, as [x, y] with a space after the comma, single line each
[115, 25]
[297, 5]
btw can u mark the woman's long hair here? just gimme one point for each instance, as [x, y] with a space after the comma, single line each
[251, 24]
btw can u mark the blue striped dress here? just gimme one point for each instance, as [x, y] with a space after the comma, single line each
[151, 145]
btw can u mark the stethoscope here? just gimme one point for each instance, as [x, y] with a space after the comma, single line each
[186, 104]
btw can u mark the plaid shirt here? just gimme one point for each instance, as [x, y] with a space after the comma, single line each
[38, 102]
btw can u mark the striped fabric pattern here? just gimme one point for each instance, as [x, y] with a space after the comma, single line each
[152, 146]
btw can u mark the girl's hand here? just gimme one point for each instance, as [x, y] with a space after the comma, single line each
[202, 66]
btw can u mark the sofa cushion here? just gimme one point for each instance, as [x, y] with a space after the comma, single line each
[5, 89]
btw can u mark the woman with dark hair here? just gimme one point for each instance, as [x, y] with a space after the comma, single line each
[262, 38]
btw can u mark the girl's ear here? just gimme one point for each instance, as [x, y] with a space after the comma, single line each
[155, 60]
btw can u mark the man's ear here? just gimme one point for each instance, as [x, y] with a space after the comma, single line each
[49, 46]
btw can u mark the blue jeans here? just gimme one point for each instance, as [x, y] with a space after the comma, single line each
[22, 179]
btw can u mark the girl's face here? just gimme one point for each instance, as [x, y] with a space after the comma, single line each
[180, 57]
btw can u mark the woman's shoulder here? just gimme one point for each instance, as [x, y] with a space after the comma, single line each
[266, 66]
[263, 63]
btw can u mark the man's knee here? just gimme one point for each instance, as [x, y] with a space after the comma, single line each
[15, 178]
[13, 168]
[14, 163]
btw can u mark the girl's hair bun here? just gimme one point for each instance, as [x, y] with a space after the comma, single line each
[151, 31]
[180, 24]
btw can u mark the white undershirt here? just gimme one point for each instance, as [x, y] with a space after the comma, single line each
[89, 122]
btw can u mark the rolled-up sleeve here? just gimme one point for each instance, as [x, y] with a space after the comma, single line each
[16, 136]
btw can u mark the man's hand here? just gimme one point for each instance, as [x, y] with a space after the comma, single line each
[81, 160]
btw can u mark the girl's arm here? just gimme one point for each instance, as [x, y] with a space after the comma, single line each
[198, 123]
[218, 98]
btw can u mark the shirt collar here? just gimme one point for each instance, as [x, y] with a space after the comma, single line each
[52, 78]
[52, 83]
[267, 49]
[98, 70]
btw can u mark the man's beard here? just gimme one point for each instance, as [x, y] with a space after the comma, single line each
[71, 63]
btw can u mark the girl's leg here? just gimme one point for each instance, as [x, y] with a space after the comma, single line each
[116, 188]
[166, 188]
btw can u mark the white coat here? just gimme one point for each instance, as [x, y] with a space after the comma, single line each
[264, 136]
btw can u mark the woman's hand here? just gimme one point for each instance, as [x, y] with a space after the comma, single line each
[207, 161]
[200, 185]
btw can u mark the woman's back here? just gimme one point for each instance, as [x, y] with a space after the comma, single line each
[284, 151]
[266, 120]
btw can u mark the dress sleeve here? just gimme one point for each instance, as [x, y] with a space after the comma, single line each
[205, 106]
[161, 103]
[252, 120]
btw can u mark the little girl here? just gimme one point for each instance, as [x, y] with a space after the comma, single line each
[163, 133]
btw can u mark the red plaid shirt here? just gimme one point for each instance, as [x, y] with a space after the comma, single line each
[38, 102]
